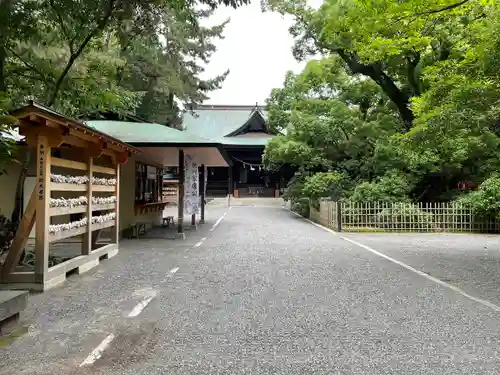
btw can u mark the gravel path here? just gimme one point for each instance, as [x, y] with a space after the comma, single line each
[264, 293]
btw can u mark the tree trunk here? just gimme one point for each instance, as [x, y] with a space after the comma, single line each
[100, 26]
[3, 56]
[386, 83]
[413, 80]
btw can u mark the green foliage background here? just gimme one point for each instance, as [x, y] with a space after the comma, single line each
[403, 101]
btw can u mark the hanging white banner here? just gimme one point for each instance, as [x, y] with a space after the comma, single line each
[191, 186]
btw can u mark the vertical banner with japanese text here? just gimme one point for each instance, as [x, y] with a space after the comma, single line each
[191, 186]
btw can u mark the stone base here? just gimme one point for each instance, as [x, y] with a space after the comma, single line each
[202, 221]
[181, 236]
[111, 254]
[11, 305]
[57, 274]
[87, 266]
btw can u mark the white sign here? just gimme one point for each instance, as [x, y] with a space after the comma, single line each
[151, 172]
[191, 186]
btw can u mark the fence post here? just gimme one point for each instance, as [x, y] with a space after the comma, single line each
[339, 217]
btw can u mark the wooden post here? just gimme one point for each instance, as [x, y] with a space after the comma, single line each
[21, 237]
[180, 201]
[87, 237]
[115, 232]
[202, 195]
[339, 217]
[42, 208]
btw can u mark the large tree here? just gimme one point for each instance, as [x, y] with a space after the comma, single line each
[389, 42]
[437, 65]
[74, 57]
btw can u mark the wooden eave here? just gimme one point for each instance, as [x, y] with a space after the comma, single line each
[35, 116]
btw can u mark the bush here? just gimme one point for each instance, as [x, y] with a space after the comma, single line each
[399, 215]
[485, 201]
[302, 207]
[392, 187]
[324, 185]
[7, 233]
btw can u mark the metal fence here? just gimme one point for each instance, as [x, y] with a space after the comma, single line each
[401, 217]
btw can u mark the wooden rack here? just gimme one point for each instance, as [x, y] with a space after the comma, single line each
[46, 131]
[170, 191]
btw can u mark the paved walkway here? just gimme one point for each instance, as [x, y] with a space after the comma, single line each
[264, 292]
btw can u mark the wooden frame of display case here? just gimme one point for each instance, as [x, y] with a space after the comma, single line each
[45, 130]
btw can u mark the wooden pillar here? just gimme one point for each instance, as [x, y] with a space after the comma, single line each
[230, 180]
[202, 195]
[115, 237]
[193, 220]
[42, 208]
[180, 201]
[87, 237]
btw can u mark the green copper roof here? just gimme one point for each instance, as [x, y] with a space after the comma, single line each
[143, 132]
[216, 121]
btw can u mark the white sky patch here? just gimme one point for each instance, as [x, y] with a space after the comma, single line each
[257, 49]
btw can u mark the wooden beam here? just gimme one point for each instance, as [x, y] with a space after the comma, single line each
[105, 170]
[115, 232]
[87, 237]
[65, 163]
[107, 188]
[54, 135]
[89, 136]
[75, 141]
[121, 157]
[95, 150]
[42, 208]
[21, 237]
[54, 186]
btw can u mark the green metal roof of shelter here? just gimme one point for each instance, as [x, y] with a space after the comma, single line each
[160, 143]
[220, 122]
[148, 133]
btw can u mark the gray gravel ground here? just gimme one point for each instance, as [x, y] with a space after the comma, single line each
[468, 261]
[266, 293]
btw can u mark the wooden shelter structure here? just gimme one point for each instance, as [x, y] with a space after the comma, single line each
[170, 147]
[76, 194]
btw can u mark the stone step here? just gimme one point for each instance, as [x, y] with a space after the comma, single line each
[12, 303]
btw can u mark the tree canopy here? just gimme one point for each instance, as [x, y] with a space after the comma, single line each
[403, 102]
[93, 58]
[126, 57]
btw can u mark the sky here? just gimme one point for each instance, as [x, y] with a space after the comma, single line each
[257, 50]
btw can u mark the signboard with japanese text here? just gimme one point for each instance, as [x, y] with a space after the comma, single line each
[191, 186]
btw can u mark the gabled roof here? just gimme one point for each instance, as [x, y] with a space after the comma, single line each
[220, 122]
[256, 118]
